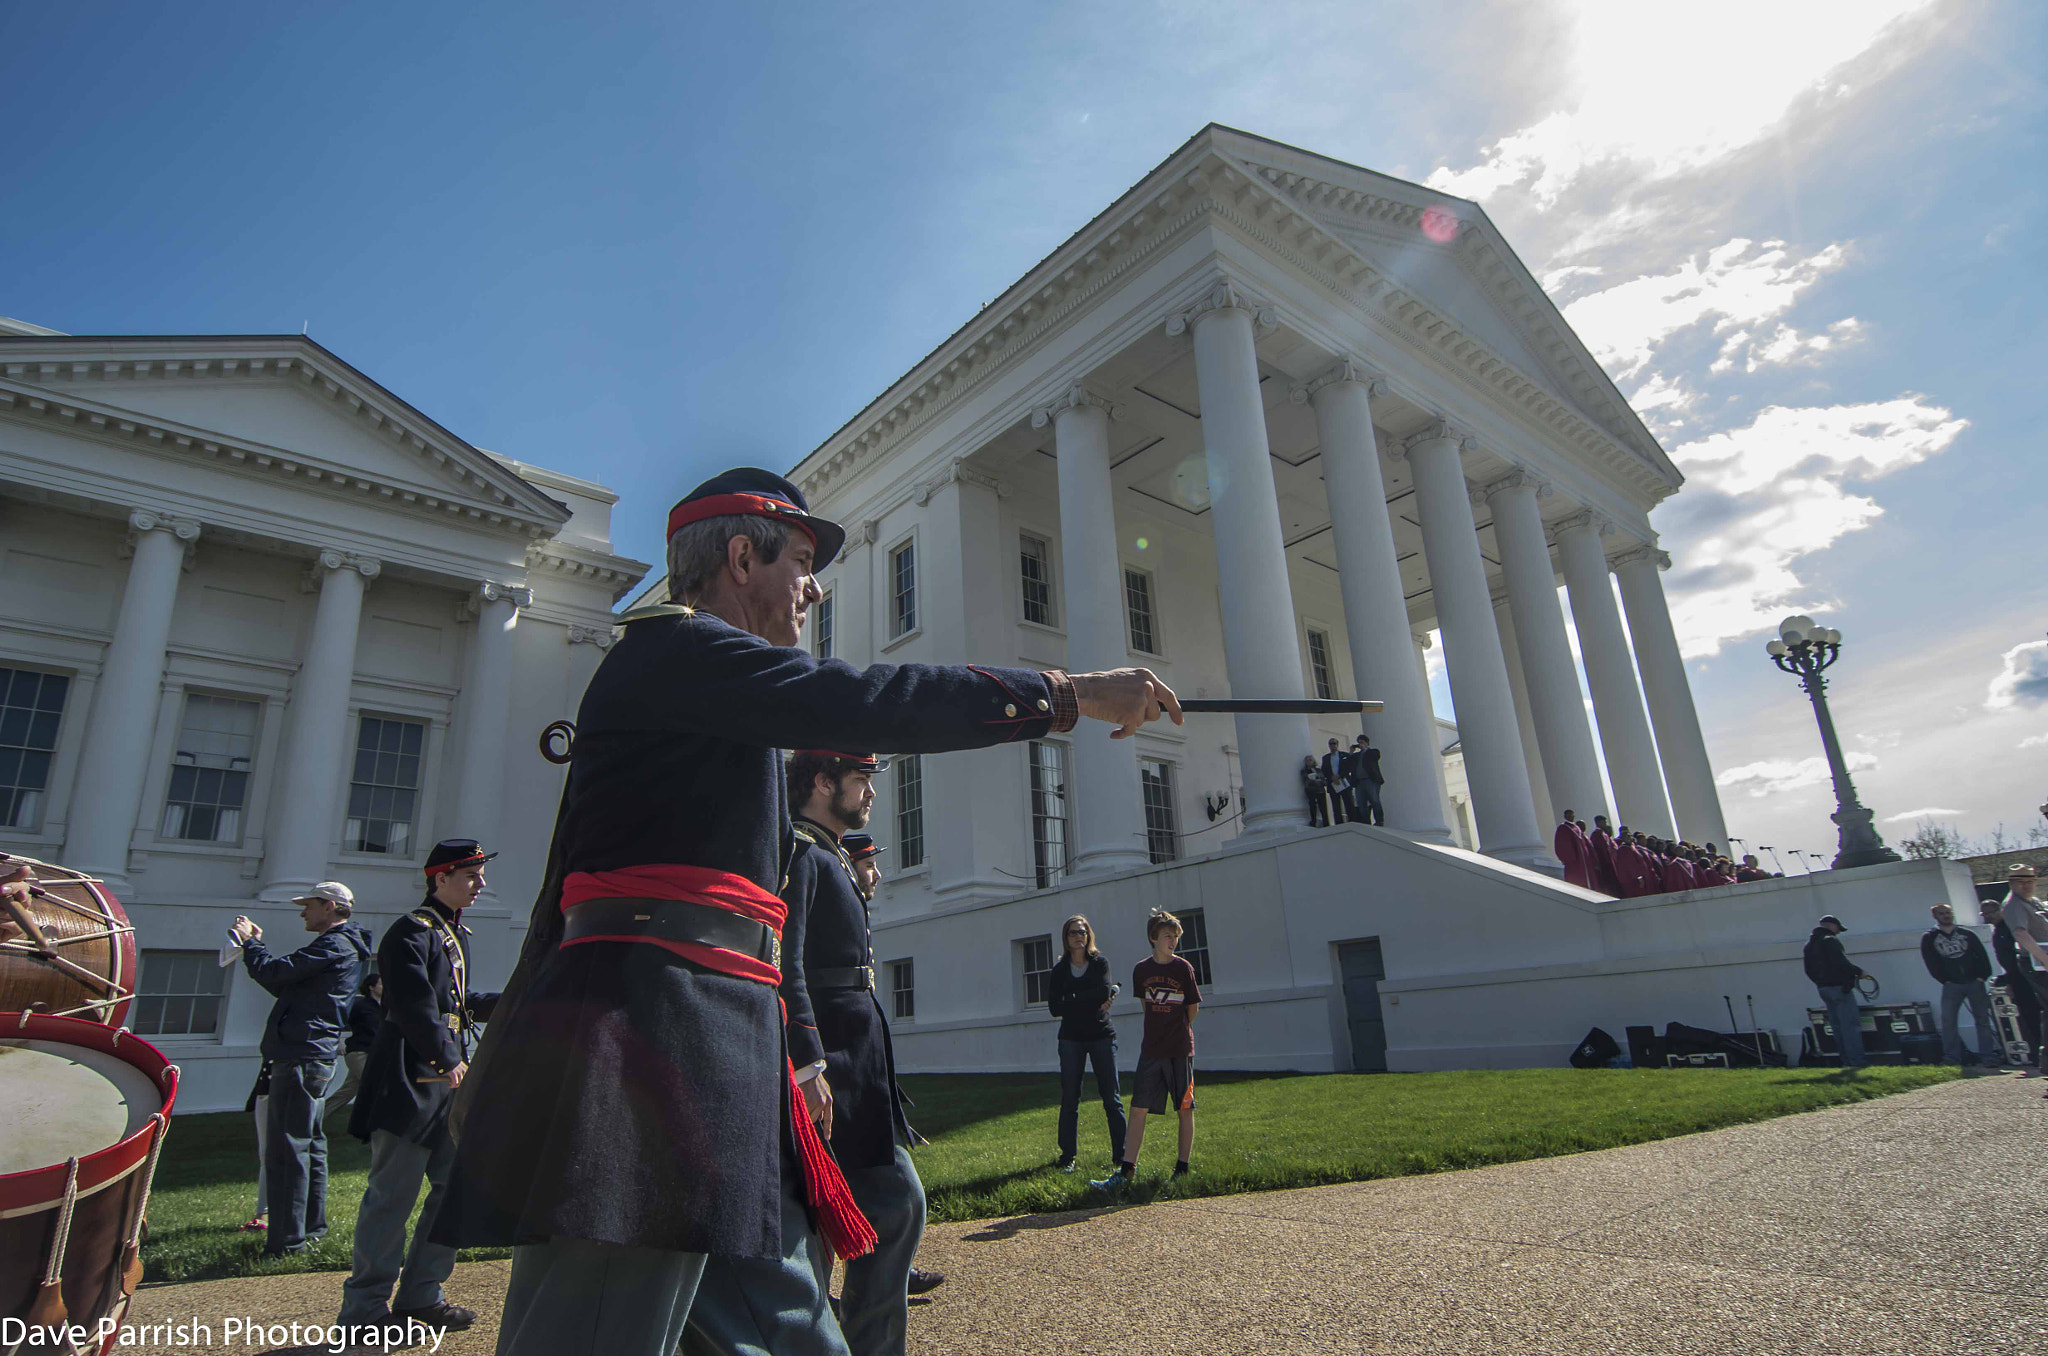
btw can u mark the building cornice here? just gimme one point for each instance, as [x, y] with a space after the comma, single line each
[1203, 184]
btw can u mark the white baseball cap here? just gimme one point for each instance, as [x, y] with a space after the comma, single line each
[333, 891]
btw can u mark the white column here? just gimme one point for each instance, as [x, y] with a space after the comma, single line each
[1610, 674]
[1525, 720]
[112, 767]
[1260, 655]
[1688, 774]
[1108, 806]
[1375, 613]
[1499, 778]
[1570, 769]
[487, 709]
[316, 746]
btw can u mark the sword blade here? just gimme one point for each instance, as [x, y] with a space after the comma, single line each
[1278, 706]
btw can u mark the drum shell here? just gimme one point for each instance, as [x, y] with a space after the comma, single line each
[111, 1183]
[93, 933]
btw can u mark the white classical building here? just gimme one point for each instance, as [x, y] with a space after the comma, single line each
[1261, 425]
[263, 623]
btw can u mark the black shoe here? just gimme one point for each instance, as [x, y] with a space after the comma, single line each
[289, 1250]
[922, 1281]
[440, 1314]
[1180, 1170]
[1064, 1165]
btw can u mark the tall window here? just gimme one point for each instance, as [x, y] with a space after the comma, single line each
[824, 621]
[1162, 822]
[383, 795]
[1319, 664]
[179, 995]
[1138, 609]
[1036, 563]
[903, 988]
[903, 589]
[31, 704]
[1034, 955]
[1049, 816]
[910, 810]
[210, 771]
[1194, 943]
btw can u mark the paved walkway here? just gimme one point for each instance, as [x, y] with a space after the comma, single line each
[1894, 1226]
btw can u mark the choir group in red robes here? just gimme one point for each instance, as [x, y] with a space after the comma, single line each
[1626, 865]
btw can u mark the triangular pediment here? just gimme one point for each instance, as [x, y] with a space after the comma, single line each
[281, 404]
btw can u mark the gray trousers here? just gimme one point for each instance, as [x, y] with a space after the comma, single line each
[397, 1167]
[572, 1297]
[874, 1301]
[1953, 996]
[755, 1307]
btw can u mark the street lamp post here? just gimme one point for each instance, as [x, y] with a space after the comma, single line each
[1805, 649]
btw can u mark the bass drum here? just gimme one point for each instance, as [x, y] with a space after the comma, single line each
[68, 950]
[87, 1107]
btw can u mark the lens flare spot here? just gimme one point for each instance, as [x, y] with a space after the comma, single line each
[1439, 225]
[1143, 542]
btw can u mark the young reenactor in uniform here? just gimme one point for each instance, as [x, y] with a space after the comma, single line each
[632, 1110]
[419, 1059]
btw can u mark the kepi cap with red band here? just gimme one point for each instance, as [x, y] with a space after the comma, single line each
[452, 854]
[862, 762]
[750, 491]
[859, 846]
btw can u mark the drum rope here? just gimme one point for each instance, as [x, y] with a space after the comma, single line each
[156, 1145]
[53, 1272]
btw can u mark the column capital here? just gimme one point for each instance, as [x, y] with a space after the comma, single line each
[330, 560]
[1644, 552]
[600, 636]
[1076, 397]
[1225, 294]
[150, 520]
[1345, 371]
[1598, 524]
[490, 591]
[1436, 431]
[1519, 478]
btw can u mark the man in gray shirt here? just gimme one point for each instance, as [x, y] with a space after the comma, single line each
[2022, 915]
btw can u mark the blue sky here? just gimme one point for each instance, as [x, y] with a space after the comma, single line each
[641, 242]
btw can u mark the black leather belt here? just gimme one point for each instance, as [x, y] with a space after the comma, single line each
[841, 977]
[673, 920]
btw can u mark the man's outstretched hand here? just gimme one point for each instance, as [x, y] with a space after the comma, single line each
[1125, 698]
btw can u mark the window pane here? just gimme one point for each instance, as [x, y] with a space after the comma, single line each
[822, 636]
[1162, 818]
[1138, 609]
[148, 1019]
[30, 706]
[383, 795]
[1036, 565]
[910, 810]
[1049, 813]
[1319, 663]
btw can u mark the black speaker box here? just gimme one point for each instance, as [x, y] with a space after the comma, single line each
[1645, 1047]
[1596, 1051]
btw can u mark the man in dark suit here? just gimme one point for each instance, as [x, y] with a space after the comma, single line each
[420, 1057]
[1337, 772]
[1367, 779]
[633, 1109]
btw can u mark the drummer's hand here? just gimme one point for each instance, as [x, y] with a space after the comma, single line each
[1125, 698]
[818, 1101]
[455, 1074]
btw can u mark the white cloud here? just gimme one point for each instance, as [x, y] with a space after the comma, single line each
[2022, 680]
[1734, 286]
[1765, 495]
[2034, 741]
[1925, 812]
[1774, 776]
[1662, 90]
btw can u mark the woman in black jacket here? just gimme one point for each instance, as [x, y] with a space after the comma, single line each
[1080, 996]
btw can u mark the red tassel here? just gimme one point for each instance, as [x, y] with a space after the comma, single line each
[840, 1220]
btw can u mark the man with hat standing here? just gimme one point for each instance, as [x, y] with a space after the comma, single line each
[2021, 916]
[864, 852]
[302, 1041]
[419, 1059]
[632, 1113]
[1835, 975]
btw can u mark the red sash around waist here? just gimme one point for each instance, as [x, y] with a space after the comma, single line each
[839, 1218]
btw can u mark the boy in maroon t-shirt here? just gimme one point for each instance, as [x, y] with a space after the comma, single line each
[1165, 984]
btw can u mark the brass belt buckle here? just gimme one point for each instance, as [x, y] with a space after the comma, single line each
[454, 1021]
[774, 950]
[868, 971]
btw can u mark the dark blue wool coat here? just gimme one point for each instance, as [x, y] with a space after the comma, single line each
[828, 927]
[623, 1094]
[415, 1041]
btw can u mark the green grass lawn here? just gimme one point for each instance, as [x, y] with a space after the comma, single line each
[993, 1142]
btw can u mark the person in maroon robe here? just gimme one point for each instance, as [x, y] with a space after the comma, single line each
[1678, 873]
[1719, 873]
[1630, 866]
[1749, 870]
[1571, 846]
[1600, 858]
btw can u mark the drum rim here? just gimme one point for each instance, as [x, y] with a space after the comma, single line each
[35, 1189]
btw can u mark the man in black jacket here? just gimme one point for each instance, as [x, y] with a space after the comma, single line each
[302, 1040]
[1957, 960]
[1832, 972]
[1367, 779]
[419, 1059]
[631, 1114]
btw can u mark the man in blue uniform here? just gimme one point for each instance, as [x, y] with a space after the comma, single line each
[419, 1059]
[632, 1109]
